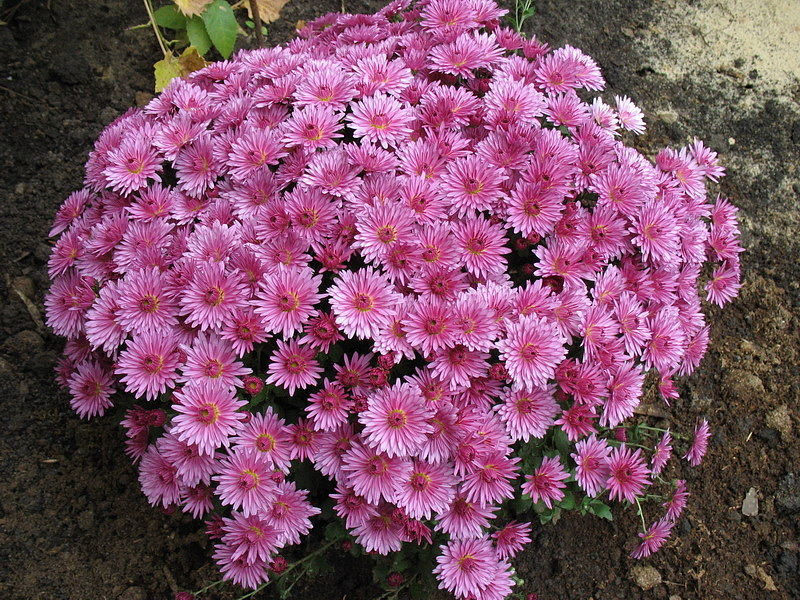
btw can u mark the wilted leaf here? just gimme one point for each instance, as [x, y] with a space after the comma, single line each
[221, 26]
[192, 7]
[171, 67]
[197, 34]
[300, 25]
[268, 10]
[166, 70]
[191, 60]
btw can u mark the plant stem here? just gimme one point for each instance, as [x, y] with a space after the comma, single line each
[208, 587]
[641, 515]
[257, 23]
[149, 8]
[292, 566]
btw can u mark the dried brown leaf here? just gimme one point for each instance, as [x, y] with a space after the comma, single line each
[192, 7]
[269, 10]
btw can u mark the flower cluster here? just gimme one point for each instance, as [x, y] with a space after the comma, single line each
[401, 249]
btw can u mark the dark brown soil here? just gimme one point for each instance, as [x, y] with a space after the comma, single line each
[72, 521]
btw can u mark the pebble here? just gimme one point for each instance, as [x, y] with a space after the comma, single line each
[133, 593]
[24, 285]
[757, 572]
[750, 504]
[25, 342]
[781, 419]
[645, 576]
[667, 116]
[788, 495]
[744, 386]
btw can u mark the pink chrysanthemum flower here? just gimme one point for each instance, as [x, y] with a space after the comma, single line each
[464, 519]
[159, 479]
[532, 349]
[724, 284]
[380, 119]
[661, 453]
[286, 299]
[192, 466]
[328, 408]
[293, 366]
[380, 533]
[244, 482]
[547, 482]
[90, 386]
[132, 164]
[465, 567]
[699, 445]
[149, 364]
[312, 127]
[528, 413]
[373, 474]
[210, 357]
[240, 571]
[396, 420]
[426, 488]
[677, 502]
[653, 538]
[627, 473]
[481, 246]
[511, 539]
[66, 304]
[290, 511]
[304, 440]
[208, 414]
[252, 152]
[362, 302]
[213, 296]
[267, 436]
[255, 538]
[488, 481]
[243, 329]
[470, 185]
[629, 115]
[591, 457]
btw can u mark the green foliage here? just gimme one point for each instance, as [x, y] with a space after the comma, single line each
[221, 26]
[197, 34]
[523, 10]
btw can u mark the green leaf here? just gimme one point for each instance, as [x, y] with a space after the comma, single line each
[221, 26]
[568, 501]
[602, 510]
[170, 17]
[198, 36]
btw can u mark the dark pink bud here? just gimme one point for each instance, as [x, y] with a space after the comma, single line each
[528, 269]
[521, 243]
[395, 579]
[184, 596]
[386, 361]
[347, 545]
[252, 384]
[498, 372]
[621, 434]
[278, 565]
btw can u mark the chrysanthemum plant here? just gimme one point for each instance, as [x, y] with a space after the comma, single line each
[397, 279]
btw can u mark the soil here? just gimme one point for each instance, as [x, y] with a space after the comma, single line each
[72, 521]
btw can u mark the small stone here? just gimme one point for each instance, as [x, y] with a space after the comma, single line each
[744, 386]
[750, 504]
[675, 597]
[781, 419]
[788, 495]
[667, 116]
[758, 572]
[23, 343]
[645, 576]
[24, 285]
[133, 593]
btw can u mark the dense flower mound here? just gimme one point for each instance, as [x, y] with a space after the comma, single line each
[403, 250]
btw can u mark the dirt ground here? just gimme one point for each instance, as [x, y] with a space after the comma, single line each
[72, 521]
